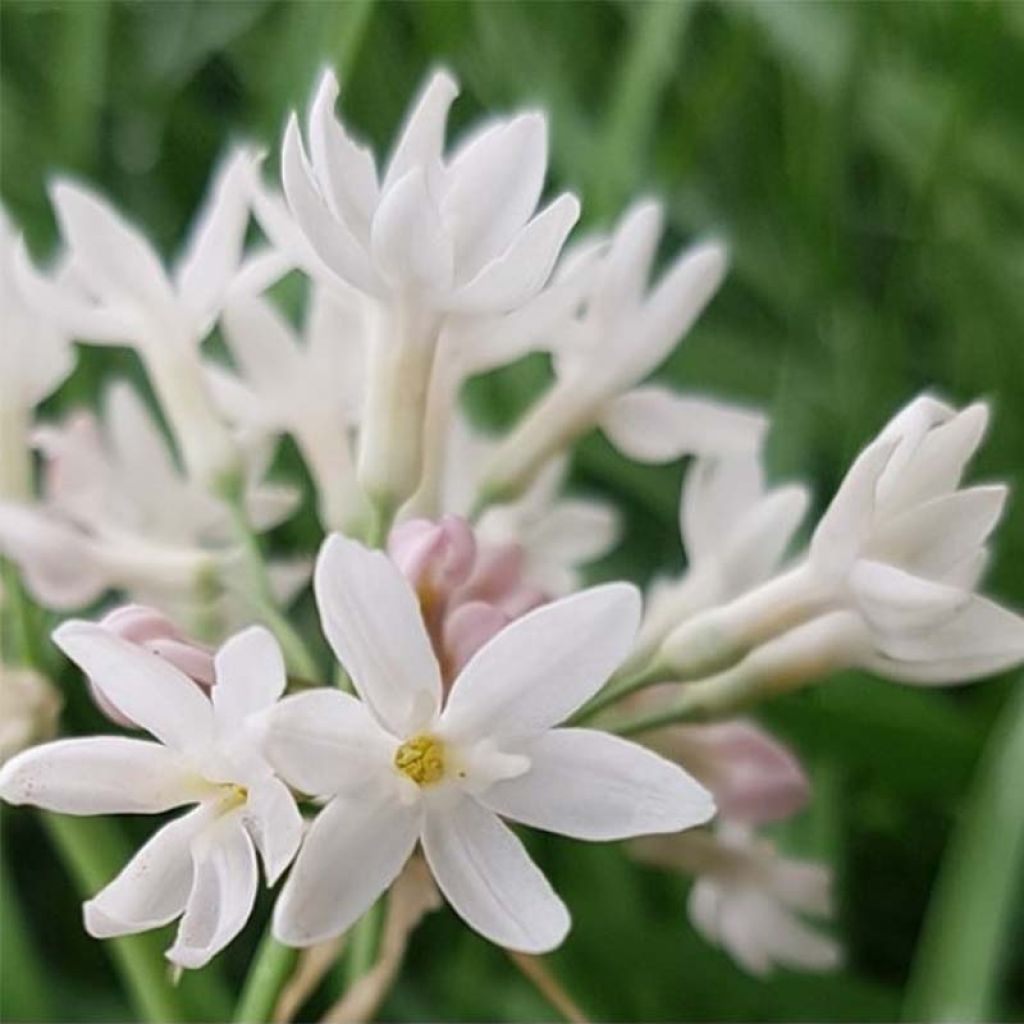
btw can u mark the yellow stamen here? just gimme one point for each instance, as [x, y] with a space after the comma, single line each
[421, 759]
[234, 795]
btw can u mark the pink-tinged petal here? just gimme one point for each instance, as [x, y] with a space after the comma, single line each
[544, 666]
[489, 879]
[224, 882]
[100, 775]
[467, 629]
[372, 620]
[143, 687]
[152, 889]
[353, 851]
[435, 555]
[591, 785]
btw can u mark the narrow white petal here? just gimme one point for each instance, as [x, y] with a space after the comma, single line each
[272, 819]
[330, 239]
[716, 494]
[410, 246]
[575, 531]
[494, 183]
[591, 785]
[372, 620]
[263, 345]
[346, 171]
[540, 669]
[894, 600]
[421, 143]
[117, 261]
[250, 676]
[489, 879]
[224, 882]
[324, 741]
[622, 275]
[152, 889]
[655, 424]
[521, 271]
[99, 775]
[213, 251]
[353, 851]
[142, 686]
[673, 306]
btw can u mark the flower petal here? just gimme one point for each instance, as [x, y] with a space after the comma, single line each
[142, 686]
[894, 600]
[421, 143]
[655, 424]
[410, 246]
[250, 676]
[224, 882]
[272, 819]
[372, 620]
[591, 785]
[489, 879]
[152, 888]
[324, 741]
[544, 666]
[263, 345]
[353, 851]
[99, 775]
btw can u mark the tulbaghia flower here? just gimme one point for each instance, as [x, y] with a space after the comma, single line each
[427, 239]
[35, 358]
[29, 708]
[202, 866]
[156, 633]
[623, 335]
[749, 899]
[889, 581]
[117, 513]
[735, 532]
[398, 766]
[310, 388]
[113, 290]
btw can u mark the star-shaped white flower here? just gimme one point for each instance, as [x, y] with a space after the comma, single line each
[202, 866]
[397, 767]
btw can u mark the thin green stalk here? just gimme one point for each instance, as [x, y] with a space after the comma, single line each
[23, 986]
[259, 593]
[364, 939]
[270, 969]
[617, 689]
[966, 936]
[93, 852]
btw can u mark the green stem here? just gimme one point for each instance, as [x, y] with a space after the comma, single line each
[259, 593]
[23, 984]
[967, 930]
[93, 853]
[267, 976]
[617, 689]
[363, 942]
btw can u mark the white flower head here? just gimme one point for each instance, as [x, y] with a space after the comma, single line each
[117, 513]
[461, 232]
[207, 751]
[626, 330]
[397, 767]
[112, 288]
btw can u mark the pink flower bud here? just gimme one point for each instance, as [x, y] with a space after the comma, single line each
[156, 633]
[435, 557]
[467, 629]
[754, 778]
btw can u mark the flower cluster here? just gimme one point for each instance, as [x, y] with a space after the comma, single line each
[476, 681]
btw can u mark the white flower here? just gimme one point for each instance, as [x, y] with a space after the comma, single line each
[428, 239]
[749, 899]
[117, 513]
[557, 534]
[310, 388]
[623, 335]
[397, 768]
[35, 359]
[735, 532]
[202, 866]
[113, 290]
[889, 581]
[29, 708]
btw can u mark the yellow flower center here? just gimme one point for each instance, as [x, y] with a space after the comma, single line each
[233, 795]
[421, 759]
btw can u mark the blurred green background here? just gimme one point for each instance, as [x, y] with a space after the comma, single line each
[866, 164]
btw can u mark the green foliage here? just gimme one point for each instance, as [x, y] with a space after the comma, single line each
[864, 162]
